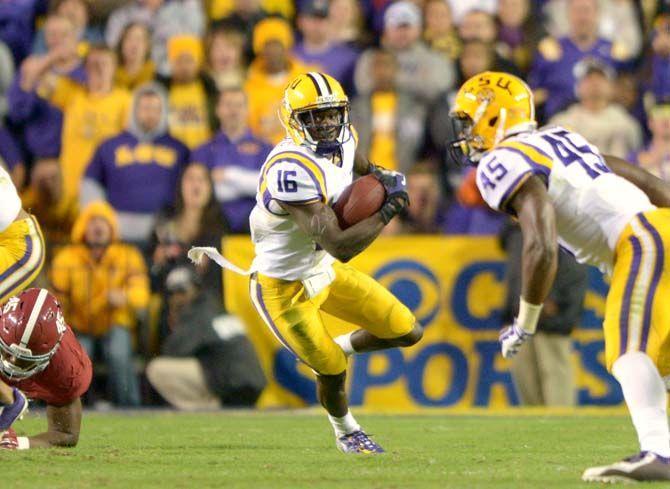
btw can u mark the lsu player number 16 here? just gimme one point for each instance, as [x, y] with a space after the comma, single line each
[301, 253]
[605, 212]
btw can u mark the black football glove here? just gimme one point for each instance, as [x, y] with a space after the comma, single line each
[397, 199]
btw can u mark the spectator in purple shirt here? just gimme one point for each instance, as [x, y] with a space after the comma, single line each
[318, 46]
[38, 121]
[235, 157]
[137, 170]
[552, 74]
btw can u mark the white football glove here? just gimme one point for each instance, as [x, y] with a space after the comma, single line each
[511, 338]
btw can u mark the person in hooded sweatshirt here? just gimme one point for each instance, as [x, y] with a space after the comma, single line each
[137, 170]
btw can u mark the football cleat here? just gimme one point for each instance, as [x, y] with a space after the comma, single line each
[13, 411]
[357, 442]
[645, 466]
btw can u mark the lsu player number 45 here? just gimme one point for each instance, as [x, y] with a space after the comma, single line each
[605, 212]
[301, 252]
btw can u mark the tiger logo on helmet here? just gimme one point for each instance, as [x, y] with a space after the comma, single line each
[488, 108]
[315, 113]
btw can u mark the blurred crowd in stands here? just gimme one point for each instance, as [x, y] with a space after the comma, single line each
[137, 128]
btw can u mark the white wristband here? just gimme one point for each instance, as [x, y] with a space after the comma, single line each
[23, 443]
[529, 315]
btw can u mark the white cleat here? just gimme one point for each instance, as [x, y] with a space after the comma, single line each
[645, 466]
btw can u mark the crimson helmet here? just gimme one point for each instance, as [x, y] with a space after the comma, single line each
[31, 329]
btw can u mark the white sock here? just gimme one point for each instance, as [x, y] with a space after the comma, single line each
[344, 425]
[645, 394]
[344, 341]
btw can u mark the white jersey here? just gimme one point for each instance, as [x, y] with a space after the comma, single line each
[294, 174]
[10, 202]
[592, 204]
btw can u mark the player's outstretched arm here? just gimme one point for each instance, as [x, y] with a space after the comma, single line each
[538, 262]
[63, 425]
[319, 222]
[656, 189]
[540, 244]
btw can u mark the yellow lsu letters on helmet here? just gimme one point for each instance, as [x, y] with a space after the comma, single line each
[309, 92]
[489, 107]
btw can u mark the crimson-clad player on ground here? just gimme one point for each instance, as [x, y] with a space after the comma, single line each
[40, 358]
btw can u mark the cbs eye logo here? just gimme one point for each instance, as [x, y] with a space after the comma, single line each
[415, 285]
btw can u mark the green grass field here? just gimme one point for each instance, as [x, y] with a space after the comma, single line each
[296, 450]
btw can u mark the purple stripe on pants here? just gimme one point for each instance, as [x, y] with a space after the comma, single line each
[630, 283]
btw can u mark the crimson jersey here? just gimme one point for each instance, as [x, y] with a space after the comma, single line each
[66, 378]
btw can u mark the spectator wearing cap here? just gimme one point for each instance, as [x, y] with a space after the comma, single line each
[104, 288]
[273, 68]
[318, 46]
[191, 92]
[603, 123]
[206, 361]
[422, 72]
[136, 171]
[234, 157]
[459, 8]
[38, 121]
[552, 75]
[655, 157]
[166, 19]
[390, 121]
[659, 87]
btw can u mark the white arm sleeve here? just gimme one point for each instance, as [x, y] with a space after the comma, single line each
[10, 202]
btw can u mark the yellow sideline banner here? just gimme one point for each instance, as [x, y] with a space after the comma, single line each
[455, 287]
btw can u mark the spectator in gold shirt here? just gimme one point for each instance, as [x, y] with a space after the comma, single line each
[268, 76]
[191, 92]
[103, 286]
[91, 112]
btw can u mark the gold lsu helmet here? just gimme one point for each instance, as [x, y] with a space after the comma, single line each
[489, 107]
[309, 93]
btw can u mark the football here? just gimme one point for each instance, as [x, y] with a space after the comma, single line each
[360, 200]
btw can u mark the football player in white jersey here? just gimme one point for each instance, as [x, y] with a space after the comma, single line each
[301, 253]
[605, 212]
